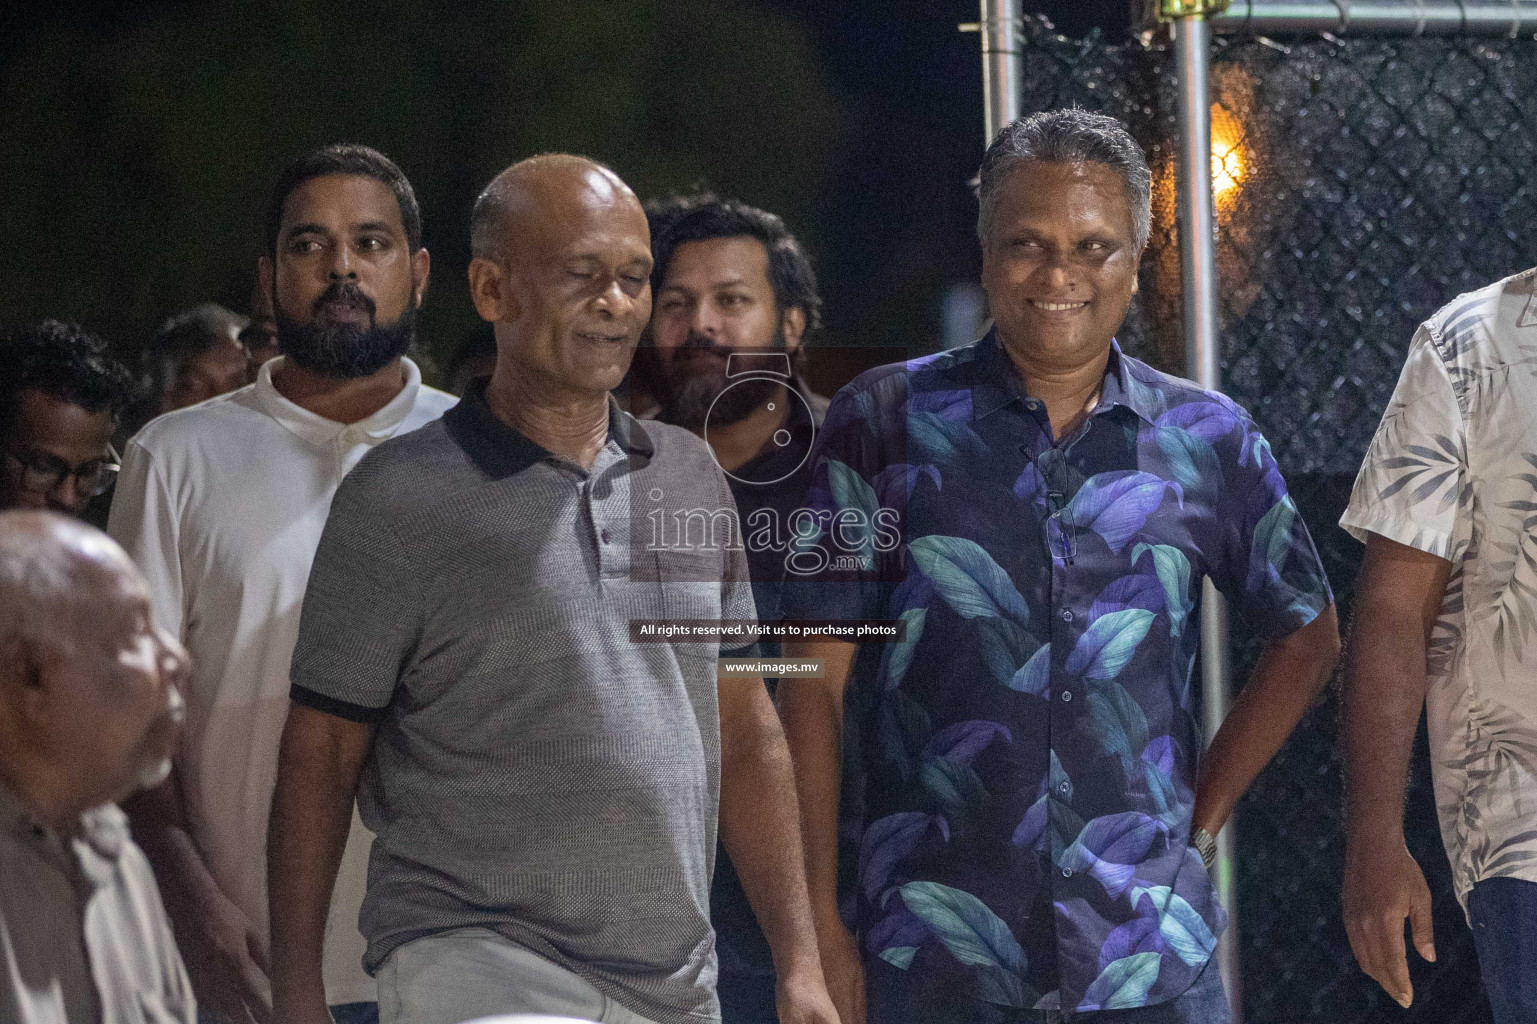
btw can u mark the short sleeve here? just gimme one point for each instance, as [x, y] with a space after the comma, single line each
[1407, 488]
[1267, 567]
[361, 618]
[145, 522]
[845, 538]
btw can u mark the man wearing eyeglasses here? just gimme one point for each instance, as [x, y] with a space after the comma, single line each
[60, 397]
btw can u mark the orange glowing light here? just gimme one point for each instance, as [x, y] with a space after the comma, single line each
[1227, 164]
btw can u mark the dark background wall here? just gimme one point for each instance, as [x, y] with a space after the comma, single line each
[139, 137]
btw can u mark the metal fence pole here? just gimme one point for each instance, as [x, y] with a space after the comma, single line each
[1510, 18]
[1000, 65]
[1198, 266]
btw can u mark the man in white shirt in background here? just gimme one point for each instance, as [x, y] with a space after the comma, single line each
[222, 505]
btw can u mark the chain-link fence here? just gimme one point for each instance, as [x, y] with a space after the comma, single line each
[1360, 184]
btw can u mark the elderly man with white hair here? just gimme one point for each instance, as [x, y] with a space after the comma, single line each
[90, 707]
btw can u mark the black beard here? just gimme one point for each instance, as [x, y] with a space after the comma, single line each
[686, 402]
[345, 351]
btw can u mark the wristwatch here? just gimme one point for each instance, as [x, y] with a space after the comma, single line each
[1207, 846]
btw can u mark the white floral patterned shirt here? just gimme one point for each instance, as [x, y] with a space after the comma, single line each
[1453, 471]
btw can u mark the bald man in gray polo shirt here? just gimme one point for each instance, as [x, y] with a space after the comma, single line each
[545, 790]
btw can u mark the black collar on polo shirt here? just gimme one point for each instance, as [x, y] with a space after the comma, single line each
[500, 450]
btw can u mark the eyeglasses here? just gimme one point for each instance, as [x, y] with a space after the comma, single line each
[42, 473]
[1061, 534]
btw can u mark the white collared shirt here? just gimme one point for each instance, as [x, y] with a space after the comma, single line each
[221, 505]
[1453, 471]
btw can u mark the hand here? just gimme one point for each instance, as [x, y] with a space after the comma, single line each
[843, 970]
[802, 999]
[1383, 886]
[316, 1012]
[226, 959]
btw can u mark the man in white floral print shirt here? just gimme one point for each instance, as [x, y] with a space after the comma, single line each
[1447, 618]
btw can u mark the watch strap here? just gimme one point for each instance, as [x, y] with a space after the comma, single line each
[1206, 845]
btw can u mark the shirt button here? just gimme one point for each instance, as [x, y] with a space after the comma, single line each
[1032, 405]
[1067, 615]
[605, 535]
[1067, 872]
[1067, 696]
[1064, 788]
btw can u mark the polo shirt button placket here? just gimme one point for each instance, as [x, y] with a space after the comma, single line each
[584, 493]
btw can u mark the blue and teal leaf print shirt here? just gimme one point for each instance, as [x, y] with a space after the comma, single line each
[1022, 765]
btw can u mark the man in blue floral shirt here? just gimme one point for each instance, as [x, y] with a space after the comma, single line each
[1040, 509]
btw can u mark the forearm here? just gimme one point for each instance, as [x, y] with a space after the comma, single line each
[760, 827]
[159, 822]
[1289, 676]
[1383, 694]
[311, 815]
[812, 713]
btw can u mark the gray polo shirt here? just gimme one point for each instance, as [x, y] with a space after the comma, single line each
[83, 937]
[535, 771]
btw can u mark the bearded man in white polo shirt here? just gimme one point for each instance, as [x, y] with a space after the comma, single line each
[222, 505]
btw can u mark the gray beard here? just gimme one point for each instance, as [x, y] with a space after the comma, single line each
[153, 774]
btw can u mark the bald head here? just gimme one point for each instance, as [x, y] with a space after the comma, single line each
[562, 268]
[51, 570]
[535, 201]
[89, 699]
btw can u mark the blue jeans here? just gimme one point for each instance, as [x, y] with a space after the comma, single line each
[892, 997]
[1503, 912]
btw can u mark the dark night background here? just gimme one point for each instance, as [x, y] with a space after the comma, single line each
[139, 138]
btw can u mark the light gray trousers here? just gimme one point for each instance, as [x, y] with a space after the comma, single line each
[474, 972]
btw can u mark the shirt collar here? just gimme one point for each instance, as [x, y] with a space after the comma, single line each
[998, 383]
[500, 450]
[316, 429]
[105, 828]
[1125, 389]
[1529, 314]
